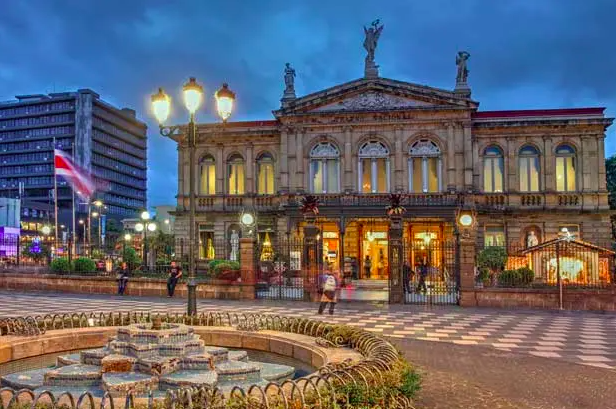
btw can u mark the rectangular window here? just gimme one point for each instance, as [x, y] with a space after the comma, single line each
[316, 171]
[417, 182]
[332, 176]
[494, 236]
[366, 173]
[381, 175]
[236, 179]
[266, 179]
[432, 174]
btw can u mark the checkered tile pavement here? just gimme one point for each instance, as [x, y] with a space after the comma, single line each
[584, 338]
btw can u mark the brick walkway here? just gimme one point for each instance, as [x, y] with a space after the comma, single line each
[584, 338]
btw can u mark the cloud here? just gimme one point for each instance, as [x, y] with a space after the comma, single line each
[524, 54]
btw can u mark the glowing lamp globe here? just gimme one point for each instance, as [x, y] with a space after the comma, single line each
[224, 102]
[161, 106]
[46, 230]
[145, 215]
[126, 237]
[193, 95]
[151, 227]
[139, 227]
[466, 220]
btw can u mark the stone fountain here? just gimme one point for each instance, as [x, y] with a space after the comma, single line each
[153, 356]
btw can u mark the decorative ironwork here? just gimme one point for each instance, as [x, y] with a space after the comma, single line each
[317, 390]
[310, 204]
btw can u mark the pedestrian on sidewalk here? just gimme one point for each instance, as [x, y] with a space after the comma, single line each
[175, 272]
[406, 277]
[423, 272]
[122, 277]
[329, 288]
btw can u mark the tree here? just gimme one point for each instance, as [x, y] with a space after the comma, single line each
[610, 170]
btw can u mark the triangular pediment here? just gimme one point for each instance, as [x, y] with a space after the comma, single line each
[379, 94]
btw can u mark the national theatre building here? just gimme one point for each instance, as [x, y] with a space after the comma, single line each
[526, 174]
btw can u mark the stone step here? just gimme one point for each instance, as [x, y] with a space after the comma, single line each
[24, 380]
[118, 384]
[74, 375]
[94, 356]
[71, 359]
[182, 379]
[238, 356]
[238, 371]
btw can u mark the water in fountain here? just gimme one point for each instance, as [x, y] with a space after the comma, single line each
[150, 357]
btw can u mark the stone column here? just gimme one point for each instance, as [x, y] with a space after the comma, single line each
[310, 265]
[299, 159]
[348, 159]
[468, 158]
[548, 165]
[247, 268]
[466, 255]
[250, 165]
[398, 158]
[284, 161]
[220, 170]
[512, 184]
[396, 290]
[451, 161]
[601, 159]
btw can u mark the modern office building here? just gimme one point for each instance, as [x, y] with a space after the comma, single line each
[108, 142]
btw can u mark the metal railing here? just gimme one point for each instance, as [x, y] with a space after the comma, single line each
[325, 388]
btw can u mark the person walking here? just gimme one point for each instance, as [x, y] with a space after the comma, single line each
[406, 276]
[175, 272]
[329, 288]
[367, 266]
[122, 278]
[423, 272]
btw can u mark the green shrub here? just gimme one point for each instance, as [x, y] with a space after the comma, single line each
[226, 266]
[60, 265]
[84, 265]
[509, 278]
[212, 264]
[527, 276]
[131, 258]
[493, 258]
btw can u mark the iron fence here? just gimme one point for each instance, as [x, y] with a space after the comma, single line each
[430, 272]
[280, 269]
[572, 263]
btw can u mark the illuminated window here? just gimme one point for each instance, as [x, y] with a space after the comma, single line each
[572, 229]
[529, 169]
[235, 168]
[494, 236]
[425, 167]
[493, 170]
[265, 172]
[373, 168]
[207, 185]
[325, 168]
[565, 169]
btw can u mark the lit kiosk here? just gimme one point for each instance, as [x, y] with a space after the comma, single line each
[186, 136]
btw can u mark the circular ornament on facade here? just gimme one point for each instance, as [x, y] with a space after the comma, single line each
[466, 220]
[247, 219]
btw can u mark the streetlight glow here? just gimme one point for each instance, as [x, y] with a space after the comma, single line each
[224, 102]
[98, 203]
[161, 106]
[81, 221]
[145, 215]
[127, 237]
[139, 227]
[46, 230]
[152, 226]
[193, 94]
[94, 214]
[166, 221]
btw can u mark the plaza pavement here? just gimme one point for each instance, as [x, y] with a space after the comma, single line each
[468, 358]
[579, 337]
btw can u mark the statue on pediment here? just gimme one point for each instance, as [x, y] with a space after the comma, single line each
[370, 42]
[462, 74]
[289, 79]
[372, 37]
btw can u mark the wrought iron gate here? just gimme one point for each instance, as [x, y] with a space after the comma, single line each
[431, 273]
[280, 270]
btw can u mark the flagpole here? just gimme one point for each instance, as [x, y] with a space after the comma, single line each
[74, 232]
[55, 195]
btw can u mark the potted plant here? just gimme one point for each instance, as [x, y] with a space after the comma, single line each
[310, 208]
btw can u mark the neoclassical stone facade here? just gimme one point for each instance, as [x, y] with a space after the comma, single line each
[353, 144]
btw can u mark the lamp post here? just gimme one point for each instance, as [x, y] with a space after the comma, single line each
[127, 238]
[161, 105]
[145, 227]
[97, 215]
[83, 249]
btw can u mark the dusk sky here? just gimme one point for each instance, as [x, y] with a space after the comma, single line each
[524, 53]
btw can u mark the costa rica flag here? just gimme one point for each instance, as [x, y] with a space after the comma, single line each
[80, 181]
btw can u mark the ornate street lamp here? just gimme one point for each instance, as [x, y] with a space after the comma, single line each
[145, 227]
[127, 238]
[161, 107]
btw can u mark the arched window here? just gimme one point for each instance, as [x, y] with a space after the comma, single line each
[207, 184]
[235, 172]
[373, 168]
[529, 169]
[265, 173]
[325, 168]
[425, 167]
[493, 166]
[565, 169]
